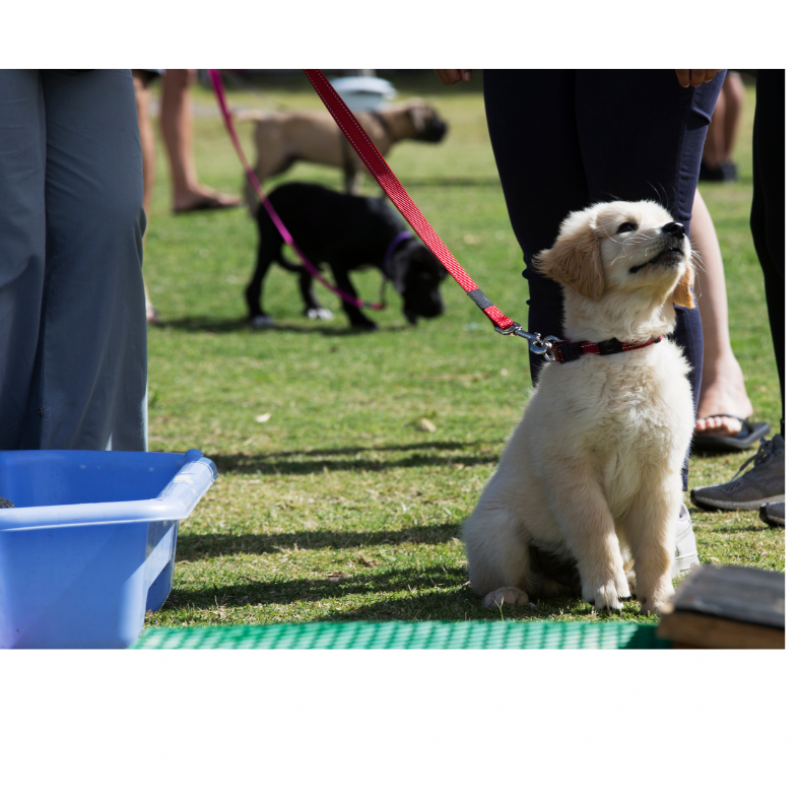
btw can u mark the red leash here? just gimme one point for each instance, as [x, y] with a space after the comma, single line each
[219, 89]
[380, 170]
[550, 347]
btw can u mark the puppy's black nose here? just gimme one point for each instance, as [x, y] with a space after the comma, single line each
[675, 228]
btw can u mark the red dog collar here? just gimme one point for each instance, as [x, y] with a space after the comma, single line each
[564, 350]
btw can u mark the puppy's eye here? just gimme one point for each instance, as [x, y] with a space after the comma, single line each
[626, 227]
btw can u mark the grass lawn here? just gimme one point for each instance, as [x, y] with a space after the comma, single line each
[340, 507]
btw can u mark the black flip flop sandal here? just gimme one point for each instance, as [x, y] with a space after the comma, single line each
[750, 434]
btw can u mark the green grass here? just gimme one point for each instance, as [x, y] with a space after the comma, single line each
[339, 507]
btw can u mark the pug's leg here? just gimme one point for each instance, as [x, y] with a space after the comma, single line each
[351, 179]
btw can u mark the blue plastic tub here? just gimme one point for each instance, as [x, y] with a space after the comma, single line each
[91, 542]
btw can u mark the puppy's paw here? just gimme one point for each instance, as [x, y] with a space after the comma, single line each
[507, 596]
[655, 592]
[658, 602]
[318, 313]
[603, 595]
[653, 607]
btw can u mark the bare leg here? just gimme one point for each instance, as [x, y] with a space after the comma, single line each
[177, 128]
[722, 389]
[733, 89]
[714, 147]
[142, 93]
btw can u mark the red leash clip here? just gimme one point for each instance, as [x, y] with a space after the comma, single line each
[538, 344]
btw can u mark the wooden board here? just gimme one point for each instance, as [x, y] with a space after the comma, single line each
[728, 607]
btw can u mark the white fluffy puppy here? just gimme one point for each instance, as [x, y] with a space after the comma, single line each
[592, 474]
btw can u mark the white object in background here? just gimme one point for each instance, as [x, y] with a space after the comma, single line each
[364, 93]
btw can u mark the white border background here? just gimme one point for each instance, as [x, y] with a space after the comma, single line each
[296, 724]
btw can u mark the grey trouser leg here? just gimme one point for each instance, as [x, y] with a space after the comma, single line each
[73, 336]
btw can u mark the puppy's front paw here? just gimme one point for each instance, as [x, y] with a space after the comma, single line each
[507, 596]
[603, 595]
[659, 600]
[653, 607]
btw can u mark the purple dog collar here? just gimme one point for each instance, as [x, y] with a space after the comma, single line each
[393, 245]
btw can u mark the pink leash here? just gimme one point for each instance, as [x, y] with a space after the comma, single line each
[219, 89]
[380, 170]
[550, 346]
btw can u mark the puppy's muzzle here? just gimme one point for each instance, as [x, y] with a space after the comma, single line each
[675, 244]
[673, 249]
[674, 229]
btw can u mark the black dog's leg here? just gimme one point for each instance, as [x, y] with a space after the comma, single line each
[269, 249]
[356, 316]
[313, 309]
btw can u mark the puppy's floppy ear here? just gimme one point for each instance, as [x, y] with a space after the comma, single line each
[682, 296]
[574, 260]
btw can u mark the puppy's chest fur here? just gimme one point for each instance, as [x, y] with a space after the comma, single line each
[622, 414]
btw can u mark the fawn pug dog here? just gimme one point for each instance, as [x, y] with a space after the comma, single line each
[285, 137]
[591, 477]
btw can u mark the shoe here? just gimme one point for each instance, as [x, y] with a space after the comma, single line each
[764, 483]
[750, 433]
[774, 514]
[685, 545]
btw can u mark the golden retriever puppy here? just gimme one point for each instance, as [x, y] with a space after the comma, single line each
[591, 477]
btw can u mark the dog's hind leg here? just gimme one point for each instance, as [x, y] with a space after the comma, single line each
[499, 561]
[350, 168]
[351, 182]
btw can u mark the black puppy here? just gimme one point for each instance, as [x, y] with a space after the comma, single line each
[346, 232]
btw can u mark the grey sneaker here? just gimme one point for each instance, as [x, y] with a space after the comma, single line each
[764, 483]
[774, 514]
[685, 545]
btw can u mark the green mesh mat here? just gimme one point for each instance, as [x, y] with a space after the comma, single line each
[408, 636]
